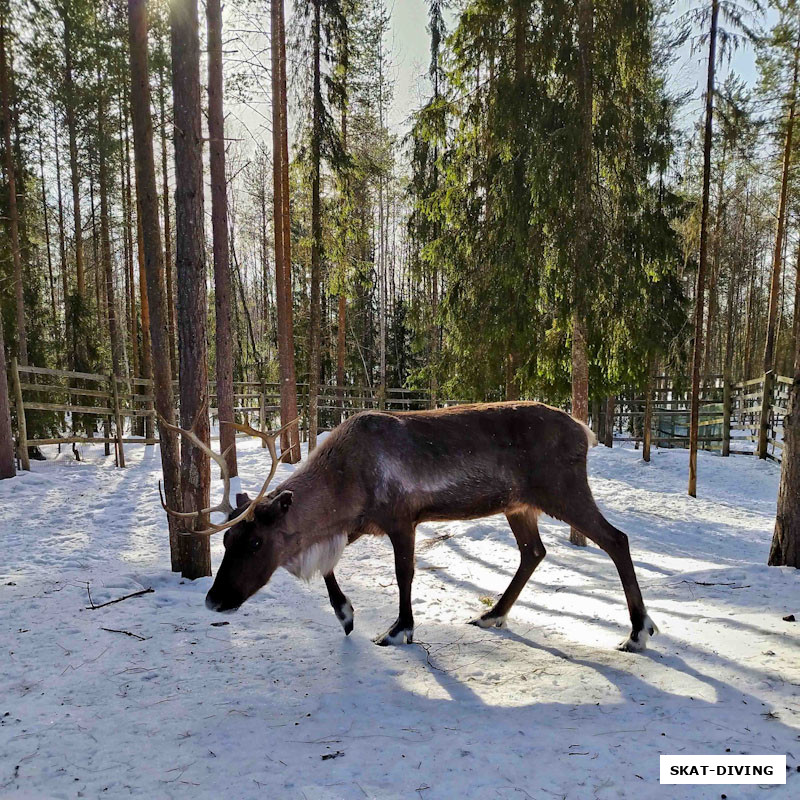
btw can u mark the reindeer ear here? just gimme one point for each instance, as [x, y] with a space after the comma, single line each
[272, 510]
[283, 501]
[242, 498]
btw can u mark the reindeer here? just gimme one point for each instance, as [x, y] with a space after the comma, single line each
[382, 473]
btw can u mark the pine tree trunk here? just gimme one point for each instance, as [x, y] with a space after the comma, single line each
[316, 236]
[127, 212]
[341, 338]
[796, 314]
[117, 355]
[162, 91]
[219, 224]
[608, 433]
[290, 439]
[580, 393]
[583, 229]
[154, 266]
[785, 549]
[697, 350]
[190, 262]
[70, 103]
[13, 214]
[8, 468]
[144, 306]
[47, 238]
[62, 241]
[769, 345]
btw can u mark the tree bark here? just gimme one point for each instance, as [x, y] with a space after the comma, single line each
[219, 224]
[62, 239]
[144, 306]
[117, 355]
[69, 104]
[47, 237]
[127, 213]
[580, 393]
[13, 213]
[153, 258]
[772, 316]
[162, 91]
[697, 350]
[290, 439]
[8, 467]
[583, 230]
[316, 236]
[609, 426]
[190, 262]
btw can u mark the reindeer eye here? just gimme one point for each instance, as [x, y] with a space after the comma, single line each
[255, 544]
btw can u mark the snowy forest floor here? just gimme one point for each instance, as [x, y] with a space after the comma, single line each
[275, 702]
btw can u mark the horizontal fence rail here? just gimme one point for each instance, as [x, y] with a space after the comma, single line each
[92, 408]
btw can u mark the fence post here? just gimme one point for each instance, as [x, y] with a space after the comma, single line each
[22, 428]
[118, 426]
[609, 427]
[726, 416]
[648, 420]
[766, 408]
[262, 410]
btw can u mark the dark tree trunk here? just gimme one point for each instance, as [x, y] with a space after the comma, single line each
[190, 262]
[62, 240]
[316, 236]
[290, 440]
[117, 355]
[70, 104]
[785, 549]
[144, 305]
[219, 223]
[583, 230]
[153, 257]
[13, 213]
[47, 237]
[8, 467]
[127, 213]
[697, 350]
[162, 91]
[608, 433]
[777, 256]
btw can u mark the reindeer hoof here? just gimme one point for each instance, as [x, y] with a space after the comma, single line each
[637, 642]
[486, 621]
[391, 637]
[345, 617]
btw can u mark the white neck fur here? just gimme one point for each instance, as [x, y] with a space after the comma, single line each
[320, 557]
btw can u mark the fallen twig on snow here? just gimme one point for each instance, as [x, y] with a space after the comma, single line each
[127, 633]
[93, 606]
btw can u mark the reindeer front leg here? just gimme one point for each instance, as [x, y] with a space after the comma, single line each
[342, 607]
[402, 632]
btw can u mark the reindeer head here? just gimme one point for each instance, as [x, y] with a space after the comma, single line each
[255, 533]
[254, 549]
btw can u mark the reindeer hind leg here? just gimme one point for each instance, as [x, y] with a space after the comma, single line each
[531, 551]
[582, 513]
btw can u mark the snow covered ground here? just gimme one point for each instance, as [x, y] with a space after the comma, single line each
[274, 701]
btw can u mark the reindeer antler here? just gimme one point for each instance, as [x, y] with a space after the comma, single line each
[224, 506]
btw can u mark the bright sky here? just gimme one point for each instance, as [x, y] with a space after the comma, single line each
[410, 47]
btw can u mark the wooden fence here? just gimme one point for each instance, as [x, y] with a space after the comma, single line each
[78, 401]
[737, 418]
[743, 418]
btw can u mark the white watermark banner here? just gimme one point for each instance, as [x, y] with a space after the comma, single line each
[723, 769]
